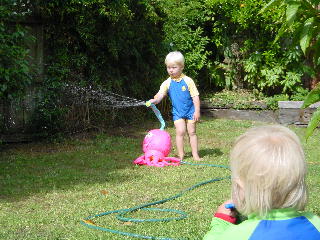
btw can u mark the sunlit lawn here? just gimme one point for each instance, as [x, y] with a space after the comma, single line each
[46, 189]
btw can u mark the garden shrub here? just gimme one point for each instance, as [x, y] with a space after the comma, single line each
[230, 44]
[114, 45]
[15, 66]
[120, 46]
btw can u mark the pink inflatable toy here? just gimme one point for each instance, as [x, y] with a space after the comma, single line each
[156, 147]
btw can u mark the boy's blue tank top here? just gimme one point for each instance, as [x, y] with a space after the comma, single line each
[182, 103]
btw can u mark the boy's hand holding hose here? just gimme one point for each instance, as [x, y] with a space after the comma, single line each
[155, 100]
[149, 102]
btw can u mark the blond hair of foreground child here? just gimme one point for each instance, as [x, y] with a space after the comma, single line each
[268, 186]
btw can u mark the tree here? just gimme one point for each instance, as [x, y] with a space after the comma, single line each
[303, 18]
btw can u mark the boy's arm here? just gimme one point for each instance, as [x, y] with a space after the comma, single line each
[157, 98]
[196, 103]
[162, 92]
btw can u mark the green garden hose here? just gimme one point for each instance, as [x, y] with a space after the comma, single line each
[121, 213]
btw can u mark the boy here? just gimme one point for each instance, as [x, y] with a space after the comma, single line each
[268, 185]
[185, 101]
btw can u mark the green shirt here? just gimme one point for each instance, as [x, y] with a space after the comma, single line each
[279, 224]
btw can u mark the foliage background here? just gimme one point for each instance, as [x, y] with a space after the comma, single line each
[119, 46]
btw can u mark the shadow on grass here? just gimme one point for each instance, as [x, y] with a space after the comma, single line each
[33, 168]
[210, 152]
[30, 169]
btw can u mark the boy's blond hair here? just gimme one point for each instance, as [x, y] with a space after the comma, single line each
[268, 170]
[175, 57]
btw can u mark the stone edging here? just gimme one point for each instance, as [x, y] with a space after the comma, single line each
[289, 112]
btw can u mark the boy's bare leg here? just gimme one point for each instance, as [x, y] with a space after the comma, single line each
[191, 126]
[180, 132]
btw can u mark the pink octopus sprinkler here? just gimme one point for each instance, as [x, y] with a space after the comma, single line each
[156, 147]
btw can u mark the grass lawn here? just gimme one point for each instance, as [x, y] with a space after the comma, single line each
[46, 189]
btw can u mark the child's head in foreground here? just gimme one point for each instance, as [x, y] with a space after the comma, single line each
[268, 170]
[175, 57]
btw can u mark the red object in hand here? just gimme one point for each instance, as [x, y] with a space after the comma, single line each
[226, 217]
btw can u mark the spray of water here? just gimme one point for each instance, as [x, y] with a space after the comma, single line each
[98, 96]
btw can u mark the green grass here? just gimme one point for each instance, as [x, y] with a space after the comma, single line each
[46, 189]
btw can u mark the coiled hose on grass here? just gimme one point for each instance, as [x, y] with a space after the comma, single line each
[121, 213]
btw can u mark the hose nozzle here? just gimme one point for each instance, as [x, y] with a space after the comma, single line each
[148, 103]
